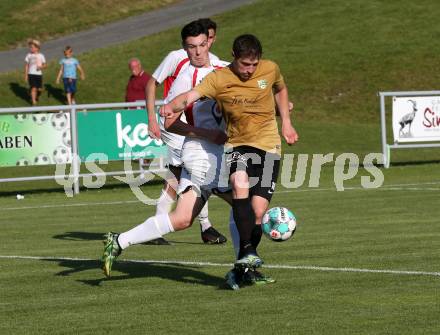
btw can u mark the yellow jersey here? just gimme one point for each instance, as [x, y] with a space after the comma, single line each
[248, 106]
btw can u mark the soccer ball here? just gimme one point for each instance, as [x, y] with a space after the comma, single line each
[22, 162]
[41, 159]
[59, 121]
[278, 224]
[66, 137]
[40, 118]
[20, 117]
[61, 155]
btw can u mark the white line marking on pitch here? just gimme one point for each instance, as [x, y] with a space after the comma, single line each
[193, 263]
[396, 187]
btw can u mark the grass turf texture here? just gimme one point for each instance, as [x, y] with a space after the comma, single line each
[46, 19]
[366, 229]
[335, 56]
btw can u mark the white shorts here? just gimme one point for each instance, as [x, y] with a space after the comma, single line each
[202, 167]
[174, 144]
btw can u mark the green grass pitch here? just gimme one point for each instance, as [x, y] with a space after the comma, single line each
[345, 271]
[363, 261]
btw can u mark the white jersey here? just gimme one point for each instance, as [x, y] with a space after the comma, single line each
[175, 62]
[204, 113]
[201, 159]
[169, 65]
[33, 61]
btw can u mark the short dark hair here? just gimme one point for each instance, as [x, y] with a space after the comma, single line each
[247, 45]
[208, 23]
[193, 29]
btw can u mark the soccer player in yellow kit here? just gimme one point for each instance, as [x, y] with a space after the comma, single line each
[247, 92]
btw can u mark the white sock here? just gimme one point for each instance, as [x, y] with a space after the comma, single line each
[235, 236]
[203, 218]
[154, 227]
[164, 203]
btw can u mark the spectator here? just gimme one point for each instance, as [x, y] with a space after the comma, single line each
[35, 63]
[68, 68]
[137, 82]
[135, 91]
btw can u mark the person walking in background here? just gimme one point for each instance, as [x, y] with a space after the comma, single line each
[68, 69]
[35, 62]
[137, 82]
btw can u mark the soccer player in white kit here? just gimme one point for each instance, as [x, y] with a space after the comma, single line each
[202, 156]
[176, 62]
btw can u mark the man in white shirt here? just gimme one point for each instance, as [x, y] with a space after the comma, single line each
[202, 158]
[173, 64]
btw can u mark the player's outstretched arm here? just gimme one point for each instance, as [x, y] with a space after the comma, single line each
[179, 103]
[177, 126]
[175, 107]
[150, 94]
[282, 101]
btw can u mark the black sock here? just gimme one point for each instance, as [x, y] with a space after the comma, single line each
[246, 247]
[256, 236]
[244, 217]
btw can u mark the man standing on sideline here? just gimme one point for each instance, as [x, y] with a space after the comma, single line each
[135, 91]
[137, 82]
[173, 64]
[246, 92]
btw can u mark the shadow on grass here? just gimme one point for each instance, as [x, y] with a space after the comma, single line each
[60, 189]
[132, 269]
[87, 236]
[79, 236]
[55, 92]
[415, 163]
[21, 92]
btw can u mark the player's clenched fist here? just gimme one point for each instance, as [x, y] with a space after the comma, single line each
[290, 134]
[166, 111]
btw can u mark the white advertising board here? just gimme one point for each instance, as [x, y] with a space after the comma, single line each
[416, 119]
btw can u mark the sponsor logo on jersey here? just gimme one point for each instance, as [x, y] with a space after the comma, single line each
[262, 83]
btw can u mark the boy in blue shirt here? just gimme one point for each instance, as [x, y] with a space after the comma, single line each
[69, 65]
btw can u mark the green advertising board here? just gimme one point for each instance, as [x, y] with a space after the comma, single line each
[119, 134]
[35, 139]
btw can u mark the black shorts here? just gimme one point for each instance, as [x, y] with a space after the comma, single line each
[261, 166]
[35, 80]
